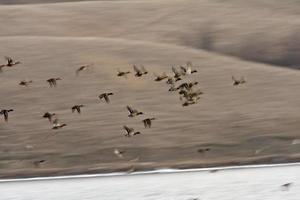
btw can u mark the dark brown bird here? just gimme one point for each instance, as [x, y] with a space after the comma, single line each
[139, 72]
[11, 62]
[5, 112]
[238, 81]
[105, 96]
[57, 125]
[148, 122]
[77, 108]
[130, 131]
[120, 73]
[203, 150]
[25, 83]
[53, 81]
[49, 116]
[82, 68]
[133, 112]
[160, 77]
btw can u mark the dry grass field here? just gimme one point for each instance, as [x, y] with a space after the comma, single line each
[257, 122]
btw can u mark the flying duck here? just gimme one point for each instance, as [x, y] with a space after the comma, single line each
[238, 82]
[187, 86]
[25, 83]
[160, 77]
[57, 125]
[119, 153]
[5, 112]
[82, 68]
[133, 112]
[77, 108]
[53, 81]
[11, 62]
[139, 72]
[172, 88]
[105, 96]
[170, 81]
[49, 116]
[203, 150]
[121, 73]
[148, 122]
[177, 74]
[188, 69]
[130, 131]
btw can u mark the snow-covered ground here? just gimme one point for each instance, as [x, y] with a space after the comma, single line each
[233, 183]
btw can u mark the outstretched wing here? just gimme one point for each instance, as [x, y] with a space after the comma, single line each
[129, 109]
[174, 70]
[183, 69]
[137, 70]
[106, 98]
[143, 69]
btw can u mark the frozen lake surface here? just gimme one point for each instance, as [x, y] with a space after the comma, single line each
[232, 183]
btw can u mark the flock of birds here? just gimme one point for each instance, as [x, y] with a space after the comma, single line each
[188, 94]
[186, 90]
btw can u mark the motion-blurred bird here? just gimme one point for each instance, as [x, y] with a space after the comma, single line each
[82, 68]
[53, 81]
[286, 186]
[119, 153]
[25, 83]
[105, 96]
[57, 125]
[148, 122]
[77, 108]
[177, 74]
[130, 131]
[139, 72]
[5, 112]
[133, 112]
[38, 163]
[11, 62]
[121, 73]
[49, 116]
[160, 77]
[188, 69]
[238, 81]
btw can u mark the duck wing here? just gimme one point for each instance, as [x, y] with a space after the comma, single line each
[137, 70]
[130, 109]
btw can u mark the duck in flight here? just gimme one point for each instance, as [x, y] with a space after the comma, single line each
[238, 81]
[10, 62]
[105, 96]
[139, 72]
[53, 81]
[77, 108]
[133, 112]
[119, 153]
[82, 68]
[57, 125]
[188, 69]
[121, 73]
[130, 132]
[160, 77]
[177, 74]
[49, 116]
[148, 122]
[25, 83]
[5, 112]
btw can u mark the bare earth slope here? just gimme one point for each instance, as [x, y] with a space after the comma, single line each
[254, 122]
